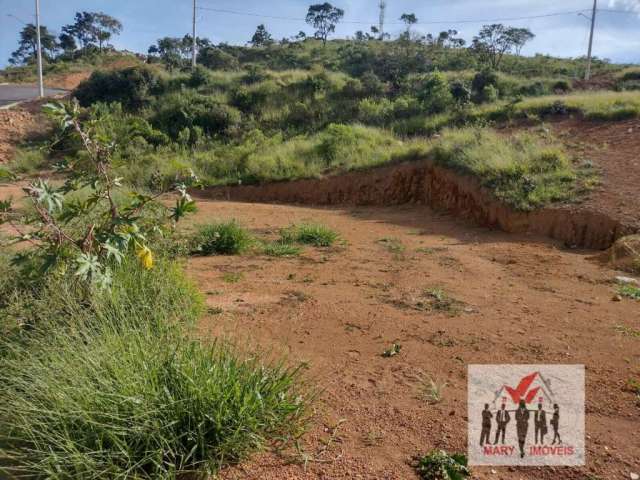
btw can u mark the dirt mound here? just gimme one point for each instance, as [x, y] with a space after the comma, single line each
[424, 183]
[15, 125]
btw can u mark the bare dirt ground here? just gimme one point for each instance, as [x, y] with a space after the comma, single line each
[614, 149]
[17, 124]
[524, 300]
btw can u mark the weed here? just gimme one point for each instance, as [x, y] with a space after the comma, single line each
[310, 234]
[393, 245]
[232, 277]
[393, 351]
[439, 465]
[280, 249]
[633, 386]
[629, 291]
[226, 238]
[431, 390]
[627, 331]
[438, 300]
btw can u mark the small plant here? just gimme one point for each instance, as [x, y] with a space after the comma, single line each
[633, 386]
[392, 245]
[280, 249]
[437, 299]
[393, 351]
[627, 331]
[629, 291]
[439, 465]
[431, 390]
[227, 238]
[309, 234]
[94, 233]
[232, 277]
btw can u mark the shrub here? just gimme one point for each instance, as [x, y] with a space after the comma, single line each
[375, 112]
[482, 79]
[489, 94]
[562, 86]
[216, 59]
[309, 233]
[460, 92]
[132, 87]
[226, 238]
[181, 110]
[28, 161]
[435, 94]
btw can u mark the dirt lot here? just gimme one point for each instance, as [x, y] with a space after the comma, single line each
[524, 300]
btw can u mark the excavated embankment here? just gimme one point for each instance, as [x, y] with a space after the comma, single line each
[423, 182]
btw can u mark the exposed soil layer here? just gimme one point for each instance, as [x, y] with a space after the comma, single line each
[610, 212]
[523, 300]
[17, 124]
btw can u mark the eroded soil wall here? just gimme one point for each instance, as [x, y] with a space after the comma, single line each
[424, 183]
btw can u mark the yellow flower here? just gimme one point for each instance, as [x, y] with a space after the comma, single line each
[146, 257]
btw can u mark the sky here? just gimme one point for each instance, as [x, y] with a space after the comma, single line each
[617, 33]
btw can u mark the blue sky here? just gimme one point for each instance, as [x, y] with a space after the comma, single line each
[617, 35]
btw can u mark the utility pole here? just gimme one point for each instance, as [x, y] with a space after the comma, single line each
[587, 73]
[40, 81]
[193, 46]
[383, 6]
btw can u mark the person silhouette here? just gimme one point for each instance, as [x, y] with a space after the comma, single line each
[486, 425]
[555, 423]
[502, 418]
[522, 425]
[540, 423]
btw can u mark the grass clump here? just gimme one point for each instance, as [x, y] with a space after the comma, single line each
[226, 238]
[280, 248]
[523, 170]
[309, 234]
[439, 465]
[110, 383]
[129, 403]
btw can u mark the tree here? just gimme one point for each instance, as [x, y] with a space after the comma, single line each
[409, 19]
[67, 43]
[495, 40]
[105, 27]
[261, 38]
[324, 17]
[28, 44]
[82, 29]
[174, 52]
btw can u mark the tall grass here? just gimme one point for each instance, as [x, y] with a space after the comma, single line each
[112, 385]
[523, 170]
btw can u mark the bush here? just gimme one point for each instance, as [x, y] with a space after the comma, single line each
[216, 59]
[460, 92]
[489, 94]
[435, 94]
[133, 87]
[226, 238]
[562, 86]
[439, 465]
[180, 110]
[310, 234]
[482, 79]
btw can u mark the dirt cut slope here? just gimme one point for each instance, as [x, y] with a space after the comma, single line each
[427, 184]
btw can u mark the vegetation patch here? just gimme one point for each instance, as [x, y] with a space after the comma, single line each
[629, 291]
[225, 238]
[309, 234]
[280, 248]
[523, 170]
[439, 465]
[436, 299]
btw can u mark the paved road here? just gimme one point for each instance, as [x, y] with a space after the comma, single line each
[16, 93]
